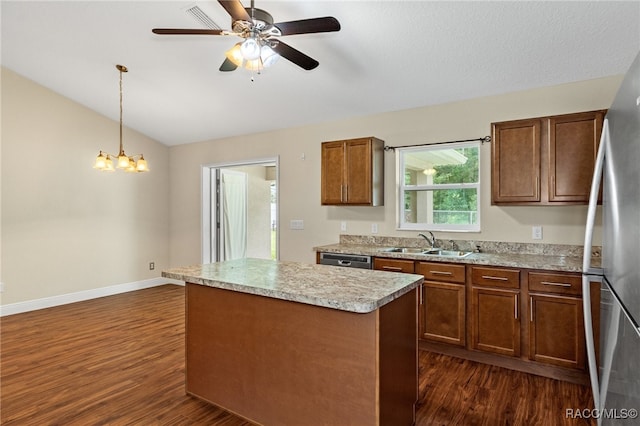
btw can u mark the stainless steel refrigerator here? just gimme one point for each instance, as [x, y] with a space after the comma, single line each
[615, 379]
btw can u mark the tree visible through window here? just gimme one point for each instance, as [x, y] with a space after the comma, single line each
[440, 188]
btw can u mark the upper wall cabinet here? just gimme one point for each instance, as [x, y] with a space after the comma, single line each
[546, 160]
[353, 172]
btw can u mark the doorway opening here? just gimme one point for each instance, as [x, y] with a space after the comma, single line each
[240, 210]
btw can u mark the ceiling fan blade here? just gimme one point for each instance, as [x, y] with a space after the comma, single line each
[227, 65]
[175, 31]
[307, 26]
[295, 56]
[235, 9]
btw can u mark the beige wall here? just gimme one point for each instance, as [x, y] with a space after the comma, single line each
[299, 152]
[66, 227]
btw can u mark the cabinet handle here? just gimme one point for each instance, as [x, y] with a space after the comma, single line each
[531, 308]
[421, 293]
[342, 193]
[346, 192]
[440, 273]
[490, 277]
[515, 306]
[555, 284]
[391, 268]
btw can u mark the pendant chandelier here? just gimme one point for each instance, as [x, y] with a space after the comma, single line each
[128, 163]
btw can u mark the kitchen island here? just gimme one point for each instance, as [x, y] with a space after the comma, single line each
[290, 343]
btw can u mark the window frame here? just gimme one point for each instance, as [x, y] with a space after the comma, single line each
[401, 187]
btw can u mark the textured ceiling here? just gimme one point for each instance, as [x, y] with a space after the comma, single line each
[389, 55]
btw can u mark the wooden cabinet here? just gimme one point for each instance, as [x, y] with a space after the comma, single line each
[442, 303]
[495, 310]
[352, 172]
[546, 160]
[393, 265]
[556, 327]
[515, 163]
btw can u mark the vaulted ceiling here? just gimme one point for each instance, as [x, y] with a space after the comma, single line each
[388, 55]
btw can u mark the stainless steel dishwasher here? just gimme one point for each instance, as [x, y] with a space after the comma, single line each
[346, 260]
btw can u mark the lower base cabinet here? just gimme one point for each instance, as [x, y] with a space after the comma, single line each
[510, 315]
[495, 321]
[556, 324]
[442, 303]
[495, 310]
[442, 316]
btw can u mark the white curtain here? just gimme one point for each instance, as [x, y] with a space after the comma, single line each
[233, 226]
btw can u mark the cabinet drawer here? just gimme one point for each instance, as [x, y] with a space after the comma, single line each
[441, 272]
[555, 283]
[393, 265]
[495, 277]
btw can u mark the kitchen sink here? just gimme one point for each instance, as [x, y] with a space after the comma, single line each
[427, 251]
[447, 253]
[411, 250]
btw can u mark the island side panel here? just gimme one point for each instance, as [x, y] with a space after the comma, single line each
[399, 360]
[279, 362]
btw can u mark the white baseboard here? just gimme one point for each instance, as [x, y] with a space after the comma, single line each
[63, 299]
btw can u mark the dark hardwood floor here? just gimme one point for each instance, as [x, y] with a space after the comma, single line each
[119, 360]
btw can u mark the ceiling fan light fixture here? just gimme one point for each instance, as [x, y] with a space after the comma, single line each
[250, 49]
[235, 55]
[268, 56]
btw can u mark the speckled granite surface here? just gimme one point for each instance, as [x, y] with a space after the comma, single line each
[347, 289]
[552, 257]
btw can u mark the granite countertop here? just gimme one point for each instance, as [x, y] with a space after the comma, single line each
[346, 289]
[555, 260]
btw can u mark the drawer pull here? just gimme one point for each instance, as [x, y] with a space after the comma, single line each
[440, 273]
[555, 284]
[491, 277]
[392, 268]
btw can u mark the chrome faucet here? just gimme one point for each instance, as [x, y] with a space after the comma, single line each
[431, 239]
[454, 246]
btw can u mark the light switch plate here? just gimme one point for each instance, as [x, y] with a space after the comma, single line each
[296, 224]
[343, 226]
[374, 228]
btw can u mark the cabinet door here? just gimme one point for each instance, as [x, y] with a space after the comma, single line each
[442, 312]
[556, 330]
[515, 166]
[332, 188]
[573, 145]
[495, 321]
[358, 174]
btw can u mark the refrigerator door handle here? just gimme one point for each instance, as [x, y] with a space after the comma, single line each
[586, 265]
[593, 198]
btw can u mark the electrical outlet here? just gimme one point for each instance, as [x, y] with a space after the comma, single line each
[152, 266]
[374, 228]
[536, 232]
[343, 226]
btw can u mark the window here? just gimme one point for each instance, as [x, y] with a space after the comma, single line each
[439, 187]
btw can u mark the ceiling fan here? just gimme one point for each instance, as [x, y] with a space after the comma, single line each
[261, 46]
